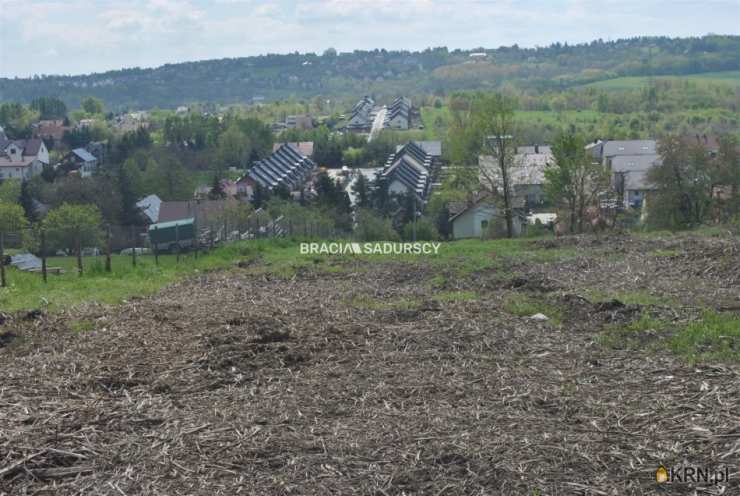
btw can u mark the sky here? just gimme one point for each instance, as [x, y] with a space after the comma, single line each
[83, 36]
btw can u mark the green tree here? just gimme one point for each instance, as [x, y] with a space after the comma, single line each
[683, 184]
[12, 217]
[574, 181]
[130, 187]
[217, 191]
[73, 227]
[372, 227]
[726, 177]
[92, 105]
[10, 191]
[234, 148]
[425, 231]
[26, 201]
[49, 107]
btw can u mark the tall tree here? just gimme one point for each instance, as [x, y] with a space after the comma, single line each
[92, 105]
[490, 130]
[49, 107]
[26, 201]
[574, 181]
[683, 184]
[726, 177]
[217, 190]
[12, 218]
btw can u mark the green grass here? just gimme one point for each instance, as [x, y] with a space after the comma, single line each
[27, 290]
[524, 305]
[665, 253]
[629, 83]
[449, 296]
[715, 336]
[280, 258]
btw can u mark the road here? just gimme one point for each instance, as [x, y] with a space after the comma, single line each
[377, 123]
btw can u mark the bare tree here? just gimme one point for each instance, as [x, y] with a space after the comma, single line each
[493, 121]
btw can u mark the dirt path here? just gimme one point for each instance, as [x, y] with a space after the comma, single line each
[336, 384]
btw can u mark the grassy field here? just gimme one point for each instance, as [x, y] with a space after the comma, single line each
[456, 263]
[630, 83]
[280, 257]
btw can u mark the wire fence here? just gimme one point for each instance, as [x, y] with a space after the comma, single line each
[51, 251]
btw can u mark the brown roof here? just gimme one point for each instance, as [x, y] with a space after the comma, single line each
[32, 147]
[203, 211]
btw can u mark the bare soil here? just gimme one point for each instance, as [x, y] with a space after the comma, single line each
[241, 383]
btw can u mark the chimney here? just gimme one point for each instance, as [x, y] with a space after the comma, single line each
[536, 148]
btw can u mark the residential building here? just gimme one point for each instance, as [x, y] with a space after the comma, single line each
[476, 219]
[362, 115]
[50, 130]
[410, 170]
[99, 149]
[149, 207]
[433, 148]
[605, 151]
[526, 173]
[22, 159]
[286, 167]
[80, 161]
[629, 177]
[398, 114]
[304, 147]
[204, 212]
[303, 121]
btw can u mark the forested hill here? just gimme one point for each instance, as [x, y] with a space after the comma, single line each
[382, 72]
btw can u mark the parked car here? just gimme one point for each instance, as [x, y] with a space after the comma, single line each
[91, 252]
[139, 251]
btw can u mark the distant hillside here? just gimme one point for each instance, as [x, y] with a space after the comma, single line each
[384, 72]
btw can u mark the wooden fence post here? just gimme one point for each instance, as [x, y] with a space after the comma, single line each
[79, 252]
[155, 245]
[177, 241]
[108, 267]
[133, 250]
[43, 254]
[3, 282]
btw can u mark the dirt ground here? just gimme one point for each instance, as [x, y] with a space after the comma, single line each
[367, 381]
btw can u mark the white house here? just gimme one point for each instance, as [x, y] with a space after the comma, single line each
[22, 159]
[476, 218]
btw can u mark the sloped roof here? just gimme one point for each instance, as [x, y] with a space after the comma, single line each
[411, 166]
[202, 210]
[629, 147]
[150, 205]
[303, 147]
[623, 163]
[286, 166]
[84, 155]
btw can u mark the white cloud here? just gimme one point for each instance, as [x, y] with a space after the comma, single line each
[95, 35]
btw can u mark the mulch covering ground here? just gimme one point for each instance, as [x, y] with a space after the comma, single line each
[235, 383]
